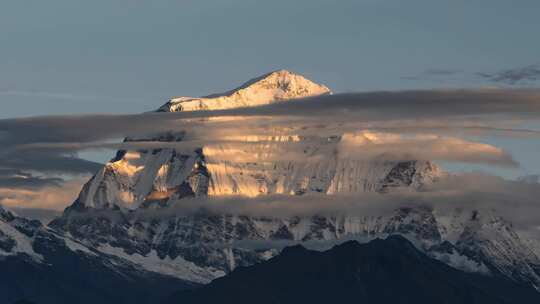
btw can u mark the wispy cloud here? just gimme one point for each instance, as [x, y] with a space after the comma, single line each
[423, 122]
[443, 71]
[439, 75]
[323, 111]
[323, 115]
[521, 75]
[11, 178]
[55, 196]
[423, 147]
[524, 76]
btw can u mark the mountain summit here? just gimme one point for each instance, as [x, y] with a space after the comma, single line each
[272, 87]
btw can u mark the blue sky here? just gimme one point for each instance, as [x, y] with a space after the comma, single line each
[128, 56]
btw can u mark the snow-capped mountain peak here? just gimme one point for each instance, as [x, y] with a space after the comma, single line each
[113, 212]
[272, 87]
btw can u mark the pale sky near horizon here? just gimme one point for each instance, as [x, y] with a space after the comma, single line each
[129, 56]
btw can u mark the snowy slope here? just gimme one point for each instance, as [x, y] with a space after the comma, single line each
[272, 87]
[40, 265]
[16, 235]
[216, 244]
[142, 178]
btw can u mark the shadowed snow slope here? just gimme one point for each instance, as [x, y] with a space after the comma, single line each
[41, 266]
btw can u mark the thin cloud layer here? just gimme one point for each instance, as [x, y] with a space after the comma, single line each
[49, 145]
[52, 197]
[521, 75]
[516, 201]
[325, 111]
[440, 75]
[10, 178]
[363, 146]
[342, 108]
[423, 147]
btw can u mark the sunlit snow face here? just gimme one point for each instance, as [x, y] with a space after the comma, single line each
[276, 159]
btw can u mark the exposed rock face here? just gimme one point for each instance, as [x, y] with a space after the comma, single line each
[273, 87]
[493, 239]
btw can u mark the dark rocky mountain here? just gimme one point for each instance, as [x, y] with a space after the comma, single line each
[39, 266]
[381, 271]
